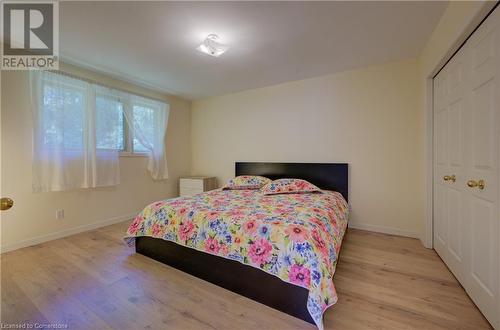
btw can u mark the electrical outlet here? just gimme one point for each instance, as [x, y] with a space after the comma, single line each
[60, 214]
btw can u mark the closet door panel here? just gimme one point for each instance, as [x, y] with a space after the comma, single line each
[482, 252]
[455, 134]
[483, 276]
[455, 223]
[440, 218]
[441, 143]
[456, 166]
[483, 217]
[440, 121]
[449, 162]
[457, 162]
[484, 137]
[440, 164]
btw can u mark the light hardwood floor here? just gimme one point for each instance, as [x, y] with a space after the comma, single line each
[93, 281]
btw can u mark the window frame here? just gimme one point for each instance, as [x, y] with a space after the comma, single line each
[125, 126]
[128, 150]
[128, 139]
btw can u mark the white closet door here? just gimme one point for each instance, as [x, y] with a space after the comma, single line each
[449, 190]
[440, 163]
[466, 124]
[483, 206]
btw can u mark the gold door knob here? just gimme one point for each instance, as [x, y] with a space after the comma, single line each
[473, 184]
[6, 203]
[451, 178]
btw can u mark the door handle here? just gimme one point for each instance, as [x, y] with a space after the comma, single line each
[473, 184]
[6, 203]
[451, 178]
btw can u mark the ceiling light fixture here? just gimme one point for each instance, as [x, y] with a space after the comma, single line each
[212, 47]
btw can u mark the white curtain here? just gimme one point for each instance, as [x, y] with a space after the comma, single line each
[65, 155]
[147, 125]
[147, 120]
[79, 131]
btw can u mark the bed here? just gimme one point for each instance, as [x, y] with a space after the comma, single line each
[212, 236]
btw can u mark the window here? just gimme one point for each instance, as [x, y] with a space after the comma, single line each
[79, 129]
[110, 124]
[144, 120]
[64, 118]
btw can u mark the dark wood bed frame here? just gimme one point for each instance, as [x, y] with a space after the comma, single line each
[245, 280]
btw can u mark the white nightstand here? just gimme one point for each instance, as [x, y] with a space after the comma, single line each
[191, 185]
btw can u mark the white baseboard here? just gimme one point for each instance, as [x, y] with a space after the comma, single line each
[107, 222]
[383, 229]
[66, 232]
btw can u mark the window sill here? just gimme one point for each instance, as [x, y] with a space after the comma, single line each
[133, 154]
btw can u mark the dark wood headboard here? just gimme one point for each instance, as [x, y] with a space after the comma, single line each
[328, 176]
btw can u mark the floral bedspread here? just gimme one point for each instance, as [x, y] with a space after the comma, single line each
[296, 237]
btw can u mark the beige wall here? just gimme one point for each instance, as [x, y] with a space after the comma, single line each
[368, 118]
[374, 118]
[32, 219]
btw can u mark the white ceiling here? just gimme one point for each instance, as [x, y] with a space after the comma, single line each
[153, 43]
